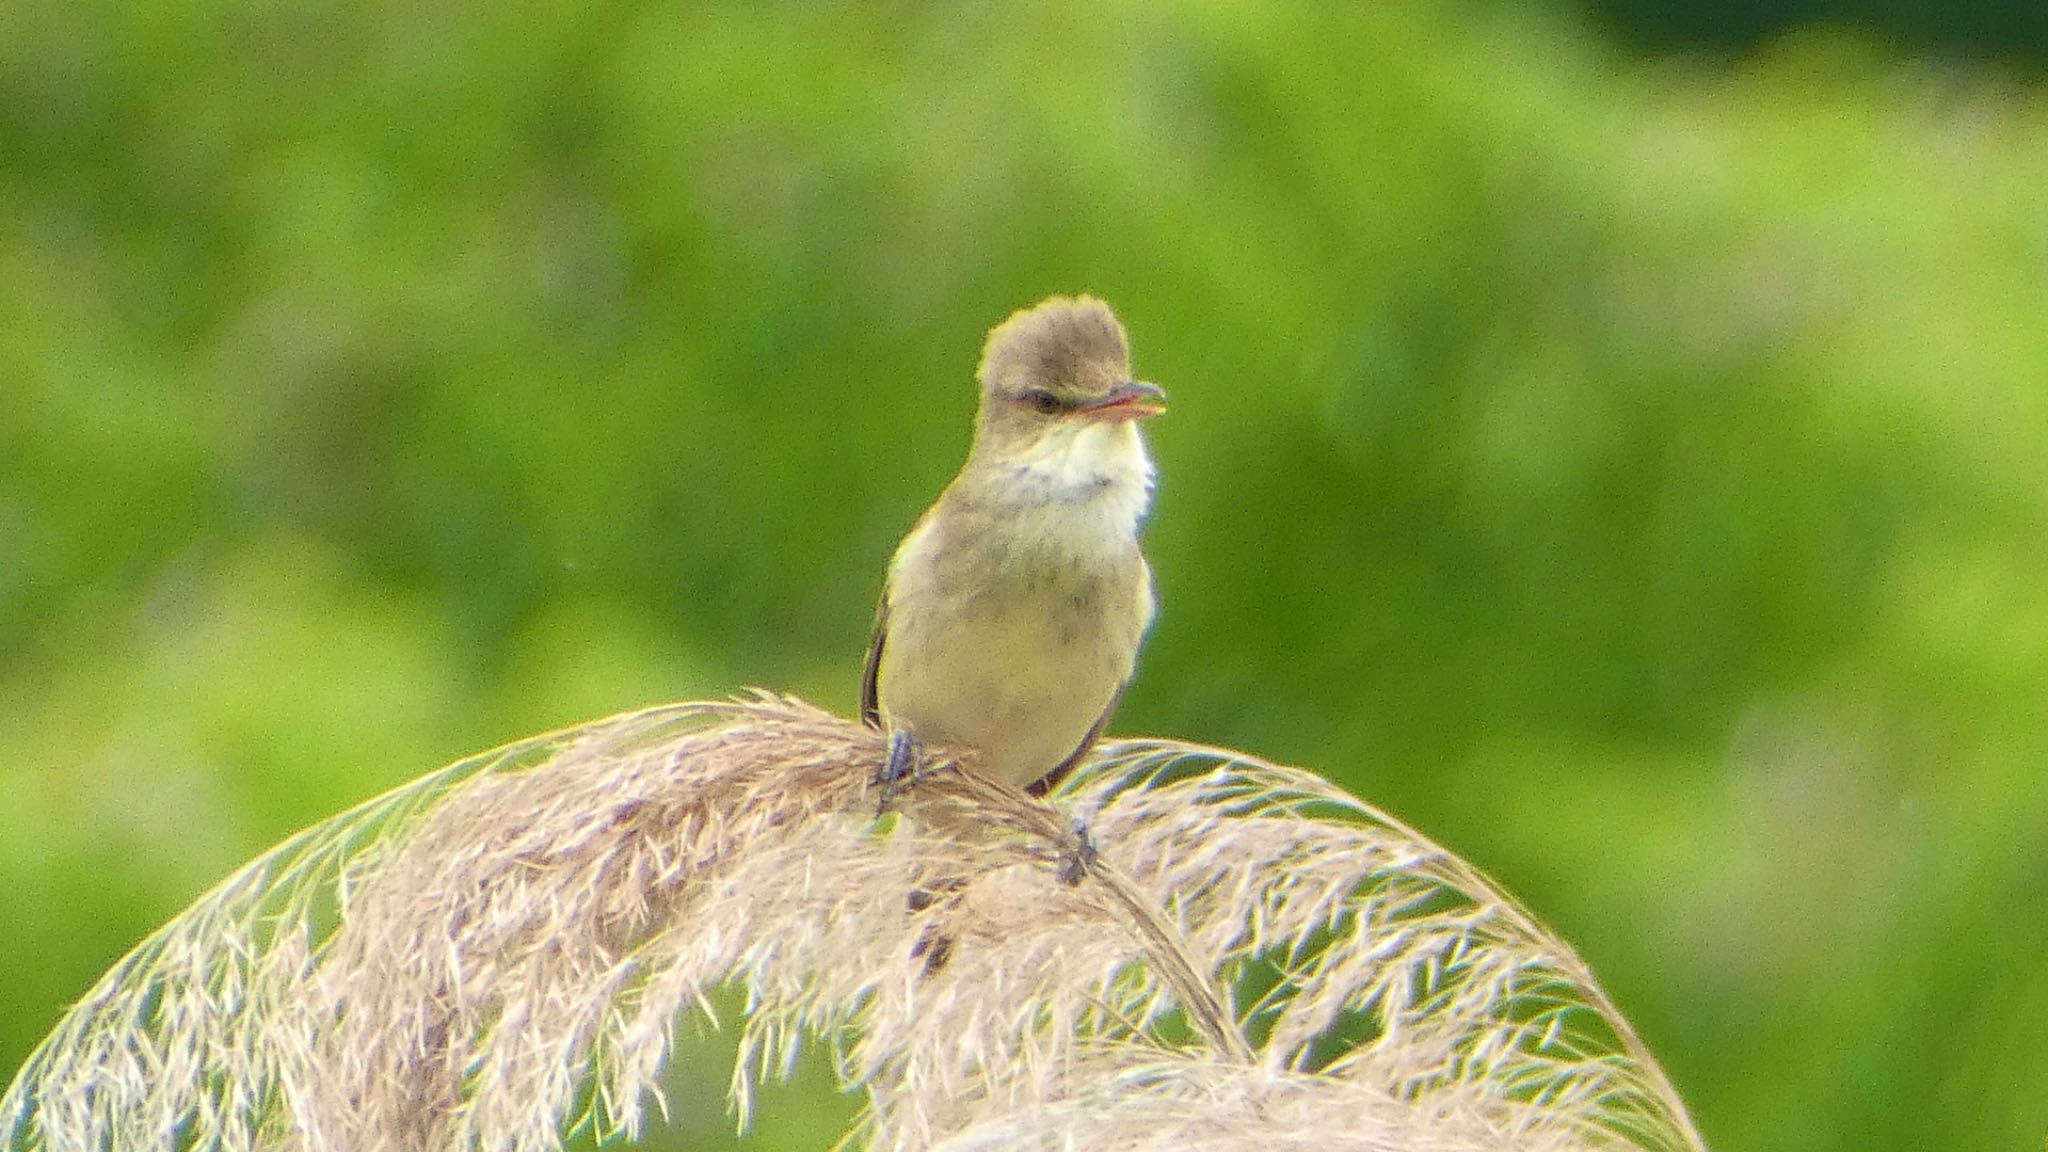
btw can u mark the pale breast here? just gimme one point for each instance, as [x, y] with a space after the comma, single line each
[1011, 634]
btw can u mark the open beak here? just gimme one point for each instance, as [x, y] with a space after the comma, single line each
[1131, 400]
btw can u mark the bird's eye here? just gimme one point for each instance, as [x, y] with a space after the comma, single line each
[1042, 402]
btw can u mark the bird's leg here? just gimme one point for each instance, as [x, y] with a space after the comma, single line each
[1079, 857]
[904, 766]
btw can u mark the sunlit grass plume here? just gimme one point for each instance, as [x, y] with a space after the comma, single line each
[499, 953]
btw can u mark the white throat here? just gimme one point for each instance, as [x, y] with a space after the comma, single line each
[1094, 473]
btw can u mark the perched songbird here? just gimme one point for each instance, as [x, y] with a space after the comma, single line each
[1013, 612]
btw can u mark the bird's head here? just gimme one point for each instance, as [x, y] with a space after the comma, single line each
[1054, 371]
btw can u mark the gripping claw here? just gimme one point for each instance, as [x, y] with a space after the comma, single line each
[1079, 857]
[902, 769]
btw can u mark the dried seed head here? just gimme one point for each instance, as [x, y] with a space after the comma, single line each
[486, 956]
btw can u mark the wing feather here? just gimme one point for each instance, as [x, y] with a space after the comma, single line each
[870, 695]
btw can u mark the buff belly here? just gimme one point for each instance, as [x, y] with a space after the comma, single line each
[1016, 676]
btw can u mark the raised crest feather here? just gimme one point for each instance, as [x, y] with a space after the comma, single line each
[1072, 339]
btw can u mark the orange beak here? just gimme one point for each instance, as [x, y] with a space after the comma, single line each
[1131, 400]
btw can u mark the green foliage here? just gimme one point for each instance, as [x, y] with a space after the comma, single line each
[1628, 471]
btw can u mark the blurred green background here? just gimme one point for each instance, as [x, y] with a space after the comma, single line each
[1619, 448]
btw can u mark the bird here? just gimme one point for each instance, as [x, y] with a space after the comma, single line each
[1012, 613]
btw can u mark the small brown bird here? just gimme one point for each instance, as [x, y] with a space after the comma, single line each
[1013, 611]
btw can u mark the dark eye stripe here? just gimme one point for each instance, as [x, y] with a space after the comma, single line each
[1041, 401]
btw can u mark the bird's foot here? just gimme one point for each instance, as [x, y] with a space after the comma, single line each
[904, 767]
[1080, 855]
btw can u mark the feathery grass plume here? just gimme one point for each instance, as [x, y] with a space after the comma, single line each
[498, 953]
